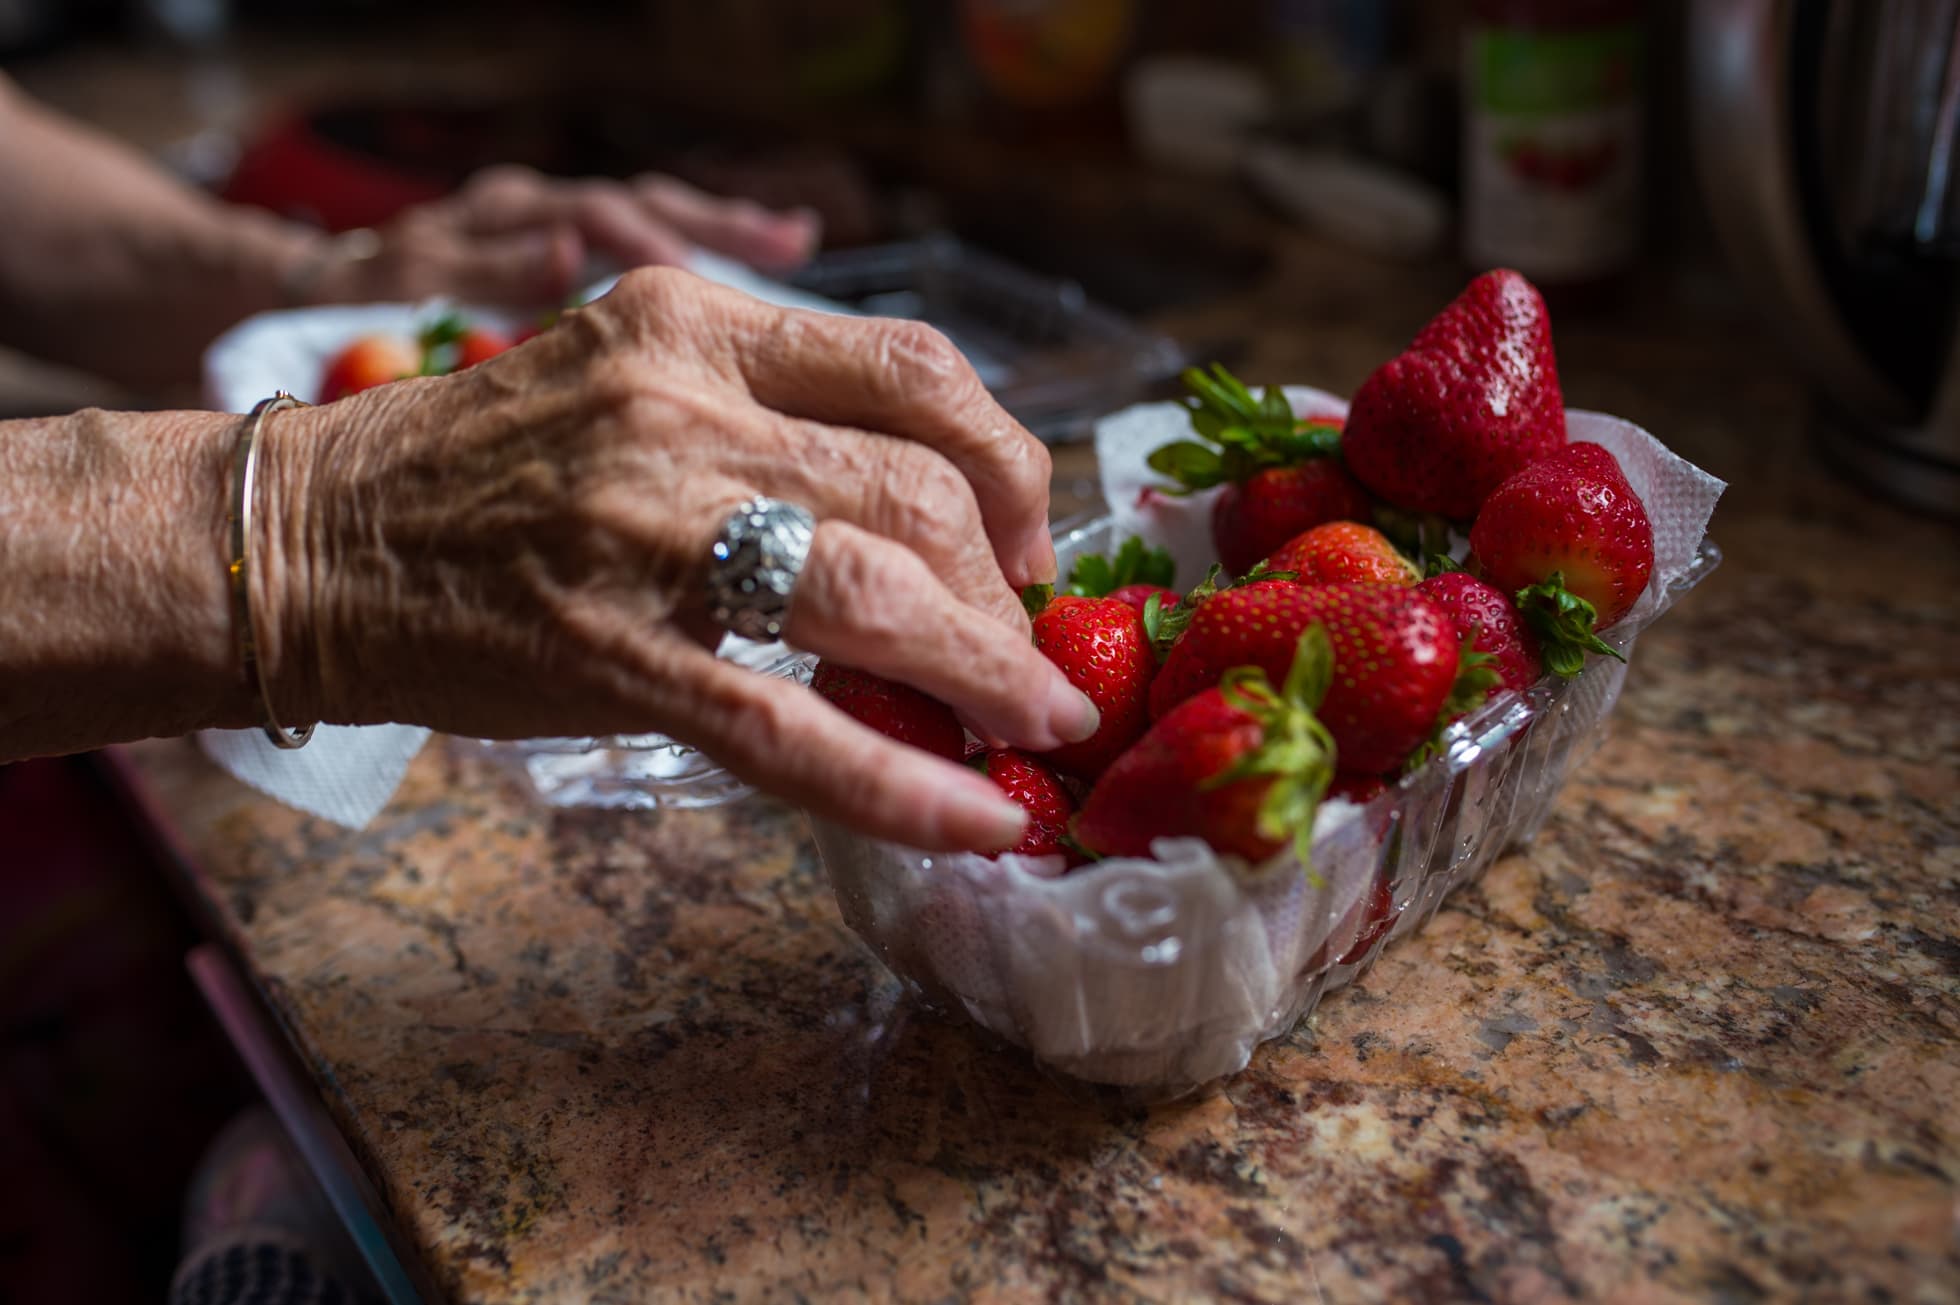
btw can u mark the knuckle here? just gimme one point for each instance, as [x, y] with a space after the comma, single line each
[1024, 461]
[869, 585]
[928, 501]
[920, 359]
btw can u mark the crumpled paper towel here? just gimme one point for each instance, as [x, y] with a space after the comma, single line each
[346, 774]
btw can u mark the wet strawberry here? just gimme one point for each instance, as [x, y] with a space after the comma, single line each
[1344, 552]
[1241, 766]
[1486, 616]
[1473, 399]
[1101, 646]
[1252, 518]
[1396, 659]
[1570, 539]
[1281, 474]
[895, 710]
[1040, 793]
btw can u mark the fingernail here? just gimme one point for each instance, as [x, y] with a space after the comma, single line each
[1071, 714]
[996, 821]
[1041, 564]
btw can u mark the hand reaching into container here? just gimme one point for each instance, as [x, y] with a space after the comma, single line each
[527, 548]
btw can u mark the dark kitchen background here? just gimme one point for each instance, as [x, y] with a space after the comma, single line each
[1773, 168]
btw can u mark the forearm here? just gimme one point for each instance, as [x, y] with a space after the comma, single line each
[110, 264]
[114, 616]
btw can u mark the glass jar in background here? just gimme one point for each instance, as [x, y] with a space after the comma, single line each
[1553, 134]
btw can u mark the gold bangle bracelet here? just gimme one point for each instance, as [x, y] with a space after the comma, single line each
[244, 467]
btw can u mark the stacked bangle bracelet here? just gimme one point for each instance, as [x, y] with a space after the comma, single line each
[244, 464]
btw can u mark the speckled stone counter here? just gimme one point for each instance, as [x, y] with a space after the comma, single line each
[1698, 1043]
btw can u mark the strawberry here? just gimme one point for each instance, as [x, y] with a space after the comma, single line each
[1280, 472]
[1570, 538]
[1040, 793]
[478, 344]
[1241, 766]
[1474, 398]
[1344, 552]
[1396, 659]
[1101, 646]
[369, 361]
[896, 710]
[449, 344]
[1255, 516]
[1485, 616]
[1139, 596]
[1356, 788]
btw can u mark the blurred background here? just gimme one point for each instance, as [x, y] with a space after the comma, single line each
[1156, 156]
[1720, 200]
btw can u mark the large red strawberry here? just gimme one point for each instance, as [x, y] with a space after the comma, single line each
[1101, 646]
[1040, 793]
[1485, 616]
[896, 710]
[1344, 552]
[1396, 660]
[1241, 766]
[1474, 398]
[1570, 538]
[1253, 517]
[1281, 474]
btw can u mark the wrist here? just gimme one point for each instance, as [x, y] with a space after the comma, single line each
[287, 577]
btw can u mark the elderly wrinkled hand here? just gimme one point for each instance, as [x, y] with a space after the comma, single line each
[520, 549]
[513, 236]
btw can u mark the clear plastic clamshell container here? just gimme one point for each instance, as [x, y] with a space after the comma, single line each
[1165, 974]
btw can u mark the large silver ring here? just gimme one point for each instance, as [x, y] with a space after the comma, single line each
[756, 559]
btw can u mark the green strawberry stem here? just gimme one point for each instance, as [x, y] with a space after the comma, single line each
[1440, 564]
[1296, 751]
[1238, 433]
[1564, 624]
[438, 343]
[1094, 575]
[1416, 534]
[1035, 598]
[1169, 626]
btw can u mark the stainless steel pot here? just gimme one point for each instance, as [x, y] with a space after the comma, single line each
[1825, 134]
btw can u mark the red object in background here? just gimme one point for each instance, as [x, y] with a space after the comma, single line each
[295, 171]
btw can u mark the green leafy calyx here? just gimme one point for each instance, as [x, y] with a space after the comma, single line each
[1239, 433]
[1296, 752]
[1565, 625]
[1134, 563]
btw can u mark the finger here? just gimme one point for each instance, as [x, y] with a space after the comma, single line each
[739, 228]
[786, 740]
[903, 491]
[906, 379]
[871, 603]
[612, 221]
[524, 269]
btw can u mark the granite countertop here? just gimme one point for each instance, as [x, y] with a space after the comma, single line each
[1697, 1042]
